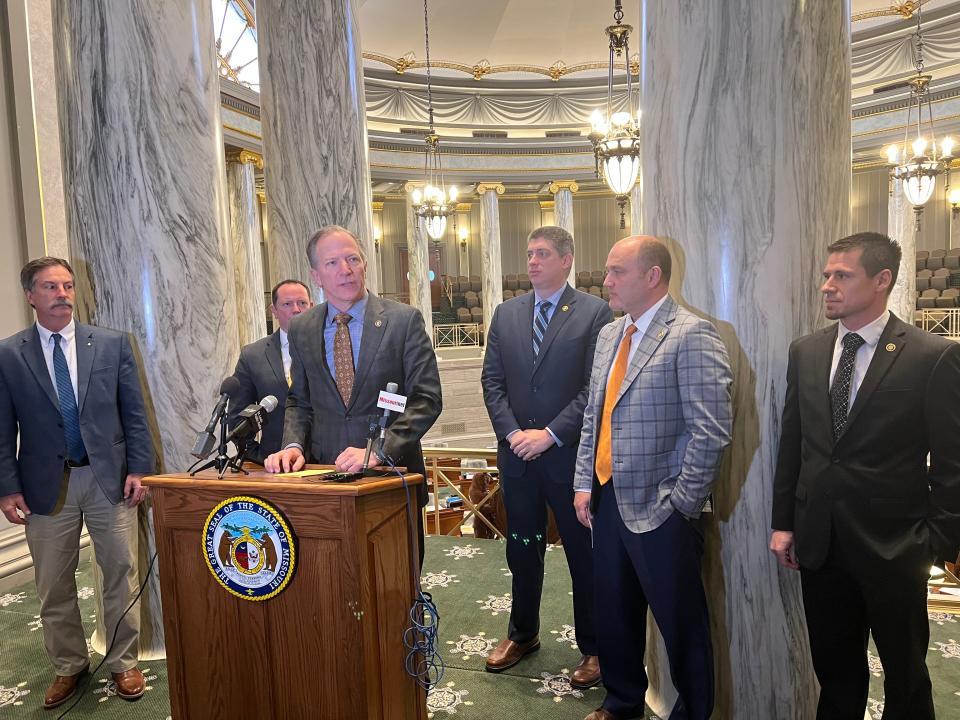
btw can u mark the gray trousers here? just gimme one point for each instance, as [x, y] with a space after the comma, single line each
[54, 542]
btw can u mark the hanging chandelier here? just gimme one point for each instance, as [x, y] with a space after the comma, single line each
[917, 163]
[434, 204]
[616, 135]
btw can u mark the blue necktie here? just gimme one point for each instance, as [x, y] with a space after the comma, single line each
[68, 403]
[540, 326]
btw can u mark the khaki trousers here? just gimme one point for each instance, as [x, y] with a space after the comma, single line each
[54, 542]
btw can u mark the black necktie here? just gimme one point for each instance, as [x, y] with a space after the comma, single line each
[840, 390]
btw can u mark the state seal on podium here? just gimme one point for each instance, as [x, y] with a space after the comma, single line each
[249, 548]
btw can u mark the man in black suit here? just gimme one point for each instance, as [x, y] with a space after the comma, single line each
[536, 372]
[344, 352]
[856, 506]
[70, 393]
[264, 367]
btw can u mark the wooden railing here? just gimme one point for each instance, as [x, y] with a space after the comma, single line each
[444, 471]
[941, 321]
[457, 335]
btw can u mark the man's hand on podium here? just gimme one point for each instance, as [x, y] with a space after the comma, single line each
[351, 460]
[288, 460]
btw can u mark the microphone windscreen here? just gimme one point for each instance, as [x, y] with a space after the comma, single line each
[230, 386]
[392, 387]
[269, 403]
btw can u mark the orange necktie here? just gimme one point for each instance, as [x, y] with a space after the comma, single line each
[604, 455]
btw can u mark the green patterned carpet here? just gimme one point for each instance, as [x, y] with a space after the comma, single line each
[470, 583]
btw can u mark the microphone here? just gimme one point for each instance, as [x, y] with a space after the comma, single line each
[205, 439]
[252, 419]
[390, 402]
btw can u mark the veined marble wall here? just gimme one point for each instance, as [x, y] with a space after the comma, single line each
[314, 130]
[747, 178]
[901, 226]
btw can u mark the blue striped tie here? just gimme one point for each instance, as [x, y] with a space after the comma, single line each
[540, 326]
[68, 403]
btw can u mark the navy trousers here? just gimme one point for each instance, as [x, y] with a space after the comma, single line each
[659, 569]
[525, 498]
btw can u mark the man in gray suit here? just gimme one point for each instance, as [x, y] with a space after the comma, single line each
[536, 370]
[71, 394]
[655, 426]
[264, 367]
[344, 352]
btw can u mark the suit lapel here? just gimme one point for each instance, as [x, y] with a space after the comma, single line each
[275, 356]
[374, 327]
[657, 330]
[824, 362]
[33, 356]
[883, 359]
[561, 314]
[86, 352]
[523, 331]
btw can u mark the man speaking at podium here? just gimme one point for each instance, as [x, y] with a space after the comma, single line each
[343, 353]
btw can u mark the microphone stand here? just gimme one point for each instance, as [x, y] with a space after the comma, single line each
[236, 463]
[371, 436]
[222, 459]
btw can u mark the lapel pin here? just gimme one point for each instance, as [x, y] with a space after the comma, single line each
[378, 323]
[891, 347]
[661, 334]
[89, 344]
[565, 308]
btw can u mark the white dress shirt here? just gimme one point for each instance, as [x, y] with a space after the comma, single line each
[642, 323]
[68, 343]
[871, 335]
[285, 353]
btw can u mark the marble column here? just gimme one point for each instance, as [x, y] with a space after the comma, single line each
[563, 214]
[418, 262]
[245, 235]
[491, 267]
[746, 167]
[636, 207]
[313, 117]
[147, 212]
[901, 226]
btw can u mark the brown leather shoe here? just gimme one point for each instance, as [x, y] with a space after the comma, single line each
[62, 689]
[508, 653]
[586, 674]
[130, 684]
[601, 714]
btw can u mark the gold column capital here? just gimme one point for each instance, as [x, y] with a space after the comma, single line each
[377, 205]
[491, 186]
[558, 185]
[547, 204]
[463, 207]
[412, 185]
[245, 156]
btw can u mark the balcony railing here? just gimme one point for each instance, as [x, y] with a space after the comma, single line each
[457, 335]
[941, 321]
[445, 471]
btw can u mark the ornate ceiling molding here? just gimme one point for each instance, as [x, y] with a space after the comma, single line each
[482, 68]
[903, 9]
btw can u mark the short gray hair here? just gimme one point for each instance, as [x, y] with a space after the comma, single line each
[561, 240]
[325, 232]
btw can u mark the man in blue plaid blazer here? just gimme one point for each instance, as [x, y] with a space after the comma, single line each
[655, 426]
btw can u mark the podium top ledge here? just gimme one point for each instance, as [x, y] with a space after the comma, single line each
[261, 480]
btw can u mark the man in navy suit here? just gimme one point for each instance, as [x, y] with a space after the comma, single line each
[536, 373]
[71, 393]
[264, 366]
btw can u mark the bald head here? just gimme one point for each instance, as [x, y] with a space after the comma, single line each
[638, 274]
[650, 253]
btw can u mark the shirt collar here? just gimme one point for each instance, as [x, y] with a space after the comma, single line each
[554, 299]
[643, 322]
[355, 312]
[68, 333]
[870, 332]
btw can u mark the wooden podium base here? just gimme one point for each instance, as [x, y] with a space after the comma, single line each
[330, 645]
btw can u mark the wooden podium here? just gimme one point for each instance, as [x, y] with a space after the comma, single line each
[330, 645]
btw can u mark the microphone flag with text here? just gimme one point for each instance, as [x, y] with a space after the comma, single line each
[252, 419]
